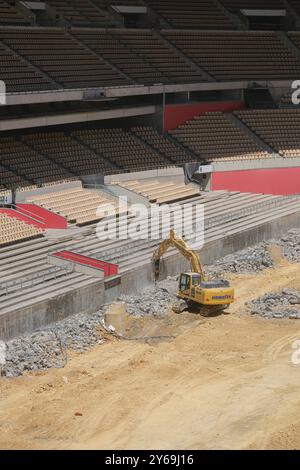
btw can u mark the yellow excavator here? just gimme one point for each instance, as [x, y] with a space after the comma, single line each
[208, 296]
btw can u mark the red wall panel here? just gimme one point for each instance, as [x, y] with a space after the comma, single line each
[47, 218]
[108, 268]
[177, 114]
[279, 181]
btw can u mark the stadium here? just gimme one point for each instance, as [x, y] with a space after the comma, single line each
[106, 106]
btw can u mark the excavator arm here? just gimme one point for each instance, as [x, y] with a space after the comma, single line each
[183, 248]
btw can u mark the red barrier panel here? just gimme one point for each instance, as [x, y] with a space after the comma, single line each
[48, 218]
[278, 181]
[176, 114]
[108, 268]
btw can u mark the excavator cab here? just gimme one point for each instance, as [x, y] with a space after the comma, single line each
[188, 280]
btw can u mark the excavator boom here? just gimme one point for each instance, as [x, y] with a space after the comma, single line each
[181, 245]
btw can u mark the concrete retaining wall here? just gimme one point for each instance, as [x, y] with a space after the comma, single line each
[91, 297]
[164, 174]
[86, 299]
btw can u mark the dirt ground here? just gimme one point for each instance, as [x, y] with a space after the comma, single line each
[207, 383]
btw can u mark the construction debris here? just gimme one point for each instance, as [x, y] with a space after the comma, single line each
[290, 244]
[284, 304]
[154, 301]
[47, 348]
[250, 260]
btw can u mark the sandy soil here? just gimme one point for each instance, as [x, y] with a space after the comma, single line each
[222, 382]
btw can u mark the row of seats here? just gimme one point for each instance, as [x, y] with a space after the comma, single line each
[279, 128]
[10, 180]
[45, 58]
[77, 205]
[19, 75]
[69, 153]
[160, 192]
[142, 54]
[48, 157]
[123, 149]
[238, 54]
[214, 137]
[62, 58]
[164, 145]
[28, 163]
[13, 230]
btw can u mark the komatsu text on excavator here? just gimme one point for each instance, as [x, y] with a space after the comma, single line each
[209, 296]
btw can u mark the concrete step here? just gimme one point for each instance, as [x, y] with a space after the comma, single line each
[52, 289]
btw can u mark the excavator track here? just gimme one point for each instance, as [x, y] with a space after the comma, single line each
[205, 310]
[212, 310]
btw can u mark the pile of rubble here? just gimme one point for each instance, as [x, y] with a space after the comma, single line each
[154, 301]
[47, 348]
[250, 260]
[284, 304]
[290, 244]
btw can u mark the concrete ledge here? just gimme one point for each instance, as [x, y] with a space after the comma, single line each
[78, 268]
[268, 163]
[132, 197]
[75, 117]
[164, 174]
[49, 96]
[85, 299]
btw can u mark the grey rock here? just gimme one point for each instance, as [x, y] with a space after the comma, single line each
[46, 348]
[275, 305]
[295, 316]
[295, 301]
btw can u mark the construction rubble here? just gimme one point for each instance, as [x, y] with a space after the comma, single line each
[250, 260]
[290, 244]
[154, 301]
[48, 348]
[284, 304]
